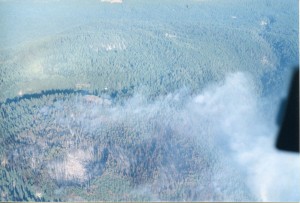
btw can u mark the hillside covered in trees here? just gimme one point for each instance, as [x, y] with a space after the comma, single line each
[85, 147]
[144, 101]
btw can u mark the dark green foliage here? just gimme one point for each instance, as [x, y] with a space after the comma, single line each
[76, 146]
[68, 127]
[153, 59]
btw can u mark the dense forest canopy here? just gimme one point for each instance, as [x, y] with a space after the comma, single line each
[133, 100]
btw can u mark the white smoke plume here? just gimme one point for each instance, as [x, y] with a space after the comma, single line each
[218, 145]
[230, 117]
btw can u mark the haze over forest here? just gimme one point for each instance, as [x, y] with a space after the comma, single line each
[127, 100]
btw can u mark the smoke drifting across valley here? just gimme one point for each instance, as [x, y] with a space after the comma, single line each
[229, 120]
[217, 145]
[172, 100]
